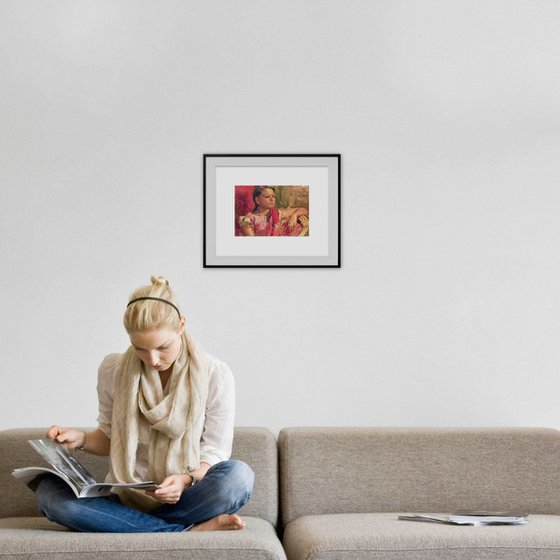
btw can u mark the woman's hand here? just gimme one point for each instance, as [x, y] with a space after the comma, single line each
[292, 222]
[171, 488]
[70, 438]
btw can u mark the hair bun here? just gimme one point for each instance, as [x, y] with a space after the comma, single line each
[159, 281]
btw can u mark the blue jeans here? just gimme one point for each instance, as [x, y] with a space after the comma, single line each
[225, 488]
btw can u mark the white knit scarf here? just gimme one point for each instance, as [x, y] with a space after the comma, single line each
[174, 419]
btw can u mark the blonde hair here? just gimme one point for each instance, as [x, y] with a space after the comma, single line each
[148, 314]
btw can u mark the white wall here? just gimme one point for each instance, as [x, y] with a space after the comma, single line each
[447, 115]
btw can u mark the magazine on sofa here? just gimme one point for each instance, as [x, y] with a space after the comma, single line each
[476, 518]
[68, 468]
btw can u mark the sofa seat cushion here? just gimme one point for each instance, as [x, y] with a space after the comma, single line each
[35, 538]
[382, 536]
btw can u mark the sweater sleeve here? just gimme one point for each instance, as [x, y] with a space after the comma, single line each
[105, 389]
[217, 436]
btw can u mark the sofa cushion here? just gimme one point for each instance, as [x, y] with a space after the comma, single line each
[38, 539]
[361, 470]
[382, 536]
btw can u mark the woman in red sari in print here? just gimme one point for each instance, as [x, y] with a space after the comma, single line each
[267, 220]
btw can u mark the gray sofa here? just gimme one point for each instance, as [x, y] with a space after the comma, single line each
[25, 535]
[342, 489]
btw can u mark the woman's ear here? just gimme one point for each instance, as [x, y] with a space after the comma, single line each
[182, 322]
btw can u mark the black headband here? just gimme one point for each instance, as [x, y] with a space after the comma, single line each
[155, 299]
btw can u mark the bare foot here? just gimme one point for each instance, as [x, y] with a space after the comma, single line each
[222, 522]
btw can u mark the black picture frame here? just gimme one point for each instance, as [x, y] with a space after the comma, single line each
[312, 238]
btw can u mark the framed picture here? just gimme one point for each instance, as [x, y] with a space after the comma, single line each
[271, 210]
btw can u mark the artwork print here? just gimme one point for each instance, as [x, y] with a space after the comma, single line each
[271, 211]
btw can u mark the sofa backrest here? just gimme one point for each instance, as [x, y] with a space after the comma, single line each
[256, 446]
[360, 470]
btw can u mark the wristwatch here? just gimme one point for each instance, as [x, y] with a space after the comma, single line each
[195, 479]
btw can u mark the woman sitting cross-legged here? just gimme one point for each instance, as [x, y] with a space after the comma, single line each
[166, 413]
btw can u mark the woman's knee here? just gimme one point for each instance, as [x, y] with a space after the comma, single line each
[235, 471]
[54, 498]
[240, 479]
[46, 490]
[243, 475]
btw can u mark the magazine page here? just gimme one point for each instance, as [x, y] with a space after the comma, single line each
[476, 519]
[63, 462]
[69, 469]
[28, 474]
[104, 488]
[428, 518]
[498, 518]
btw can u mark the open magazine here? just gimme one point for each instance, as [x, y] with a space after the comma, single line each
[68, 468]
[477, 518]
